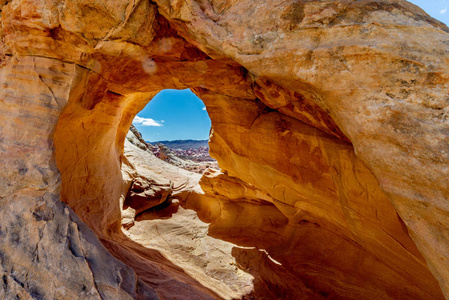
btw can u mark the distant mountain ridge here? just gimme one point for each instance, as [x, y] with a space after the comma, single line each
[183, 144]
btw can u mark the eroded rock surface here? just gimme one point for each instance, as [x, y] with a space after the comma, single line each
[179, 234]
[329, 124]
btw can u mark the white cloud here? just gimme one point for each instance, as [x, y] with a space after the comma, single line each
[443, 11]
[204, 108]
[145, 122]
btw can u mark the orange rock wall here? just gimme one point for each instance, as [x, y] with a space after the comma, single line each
[377, 67]
[327, 204]
[46, 251]
[330, 116]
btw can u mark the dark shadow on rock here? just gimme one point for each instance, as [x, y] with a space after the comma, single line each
[168, 280]
[272, 280]
[164, 210]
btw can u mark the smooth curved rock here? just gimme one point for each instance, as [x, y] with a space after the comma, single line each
[329, 123]
[378, 69]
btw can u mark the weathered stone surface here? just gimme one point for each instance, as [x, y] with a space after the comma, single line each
[377, 67]
[329, 122]
[173, 273]
[46, 252]
[145, 193]
[335, 204]
[180, 235]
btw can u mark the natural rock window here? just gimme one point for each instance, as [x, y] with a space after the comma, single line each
[174, 115]
[156, 212]
[176, 127]
[330, 126]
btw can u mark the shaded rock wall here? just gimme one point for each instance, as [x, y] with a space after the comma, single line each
[364, 64]
[177, 232]
[45, 250]
[330, 116]
[327, 204]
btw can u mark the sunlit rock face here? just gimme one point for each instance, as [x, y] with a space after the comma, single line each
[329, 124]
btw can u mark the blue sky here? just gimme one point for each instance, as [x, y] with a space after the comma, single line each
[438, 9]
[174, 115]
[181, 115]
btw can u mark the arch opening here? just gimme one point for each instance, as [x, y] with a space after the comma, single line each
[177, 126]
[290, 197]
[156, 211]
[174, 115]
[285, 209]
[308, 218]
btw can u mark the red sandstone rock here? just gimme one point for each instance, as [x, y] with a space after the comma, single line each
[329, 123]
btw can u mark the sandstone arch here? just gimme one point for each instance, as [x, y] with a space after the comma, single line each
[350, 84]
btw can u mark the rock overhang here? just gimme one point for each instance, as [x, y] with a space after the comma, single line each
[338, 69]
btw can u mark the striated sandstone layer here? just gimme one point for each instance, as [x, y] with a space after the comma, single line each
[176, 231]
[329, 124]
[46, 251]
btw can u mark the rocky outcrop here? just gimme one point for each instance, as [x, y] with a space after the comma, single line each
[316, 217]
[143, 189]
[177, 232]
[329, 124]
[46, 251]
